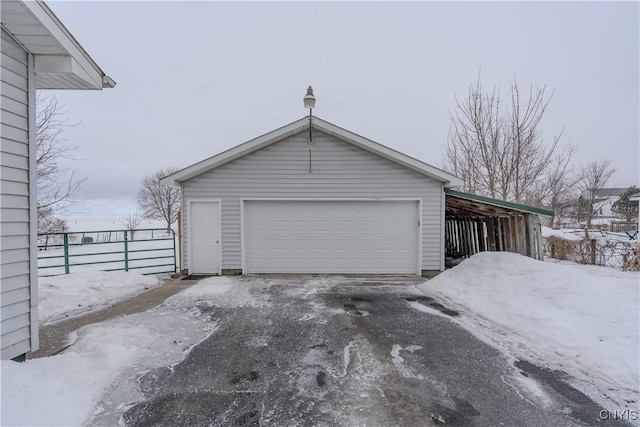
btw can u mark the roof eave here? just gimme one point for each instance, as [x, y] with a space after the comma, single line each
[499, 203]
[60, 62]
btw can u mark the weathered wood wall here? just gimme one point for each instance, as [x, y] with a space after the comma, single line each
[465, 236]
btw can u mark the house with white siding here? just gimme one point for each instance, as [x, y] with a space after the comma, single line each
[311, 197]
[38, 52]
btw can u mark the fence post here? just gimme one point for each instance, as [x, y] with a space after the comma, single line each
[126, 252]
[593, 251]
[175, 260]
[179, 240]
[65, 240]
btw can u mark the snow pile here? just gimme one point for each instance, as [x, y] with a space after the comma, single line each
[583, 320]
[104, 360]
[63, 296]
[63, 389]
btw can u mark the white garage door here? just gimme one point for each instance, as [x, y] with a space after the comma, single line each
[378, 237]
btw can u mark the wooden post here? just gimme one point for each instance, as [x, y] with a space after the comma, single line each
[592, 242]
[528, 243]
[481, 235]
[463, 244]
[465, 237]
[474, 230]
[538, 237]
[508, 233]
[522, 244]
[468, 224]
[467, 246]
[491, 234]
[514, 234]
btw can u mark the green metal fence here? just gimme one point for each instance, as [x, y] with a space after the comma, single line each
[149, 250]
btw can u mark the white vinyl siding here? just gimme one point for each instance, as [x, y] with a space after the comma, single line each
[15, 223]
[339, 171]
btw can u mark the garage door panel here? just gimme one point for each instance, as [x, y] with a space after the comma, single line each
[331, 236]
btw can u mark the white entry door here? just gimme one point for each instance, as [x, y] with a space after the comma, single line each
[204, 235]
[331, 237]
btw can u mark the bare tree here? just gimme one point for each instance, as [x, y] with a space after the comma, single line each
[594, 175]
[56, 184]
[157, 201]
[499, 152]
[558, 187]
[528, 156]
[131, 221]
[48, 222]
[475, 133]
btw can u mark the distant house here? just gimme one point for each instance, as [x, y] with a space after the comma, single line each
[311, 197]
[38, 52]
[604, 200]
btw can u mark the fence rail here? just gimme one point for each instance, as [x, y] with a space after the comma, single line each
[149, 249]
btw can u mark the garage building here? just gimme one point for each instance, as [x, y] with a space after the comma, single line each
[312, 197]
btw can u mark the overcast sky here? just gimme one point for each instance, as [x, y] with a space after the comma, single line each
[197, 78]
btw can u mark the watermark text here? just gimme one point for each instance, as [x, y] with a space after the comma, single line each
[619, 414]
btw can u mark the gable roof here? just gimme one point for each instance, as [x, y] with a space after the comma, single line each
[609, 192]
[272, 137]
[60, 61]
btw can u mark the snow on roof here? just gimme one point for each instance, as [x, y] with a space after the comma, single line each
[609, 192]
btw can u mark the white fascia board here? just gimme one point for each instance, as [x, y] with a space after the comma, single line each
[448, 179]
[83, 66]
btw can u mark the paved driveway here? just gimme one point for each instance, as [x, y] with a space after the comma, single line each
[332, 352]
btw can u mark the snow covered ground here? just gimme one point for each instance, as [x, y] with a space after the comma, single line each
[564, 233]
[63, 296]
[577, 234]
[88, 222]
[63, 390]
[583, 320]
[151, 252]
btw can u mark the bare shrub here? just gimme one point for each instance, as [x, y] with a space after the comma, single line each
[631, 262]
[606, 253]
